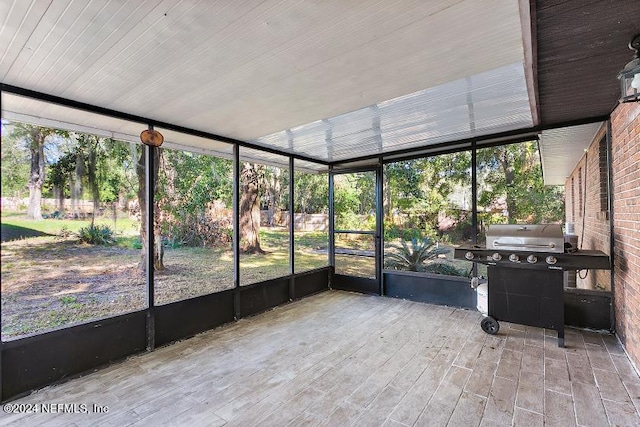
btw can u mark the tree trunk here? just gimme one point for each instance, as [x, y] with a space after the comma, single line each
[273, 192]
[76, 189]
[93, 182]
[35, 199]
[158, 250]
[250, 209]
[58, 192]
[36, 177]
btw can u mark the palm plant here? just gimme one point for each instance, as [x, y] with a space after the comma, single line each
[97, 235]
[412, 256]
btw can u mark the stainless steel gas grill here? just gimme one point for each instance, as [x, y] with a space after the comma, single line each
[525, 273]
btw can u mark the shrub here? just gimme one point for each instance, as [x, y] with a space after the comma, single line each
[137, 244]
[446, 269]
[64, 232]
[393, 231]
[412, 257]
[350, 221]
[197, 230]
[96, 235]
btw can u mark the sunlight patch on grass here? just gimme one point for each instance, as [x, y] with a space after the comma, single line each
[51, 282]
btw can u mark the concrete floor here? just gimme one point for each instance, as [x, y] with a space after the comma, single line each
[340, 359]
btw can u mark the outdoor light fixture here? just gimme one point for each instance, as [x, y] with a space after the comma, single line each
[151, 137]
[630, 75]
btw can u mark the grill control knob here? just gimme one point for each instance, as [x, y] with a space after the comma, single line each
[496, 257]
[514, 258]
[551, 260]
[532, 259]
[469, 255]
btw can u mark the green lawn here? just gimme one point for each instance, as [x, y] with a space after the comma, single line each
[50, 281]
[122, 226]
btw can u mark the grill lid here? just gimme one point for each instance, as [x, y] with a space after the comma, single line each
[520, 237]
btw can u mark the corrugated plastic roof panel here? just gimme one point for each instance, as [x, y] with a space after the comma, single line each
[489, 102]
[182, 141]
[309, 167]
[260, 157]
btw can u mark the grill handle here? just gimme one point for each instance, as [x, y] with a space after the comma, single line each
[524, 245]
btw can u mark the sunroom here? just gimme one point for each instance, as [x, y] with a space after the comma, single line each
[247, 213]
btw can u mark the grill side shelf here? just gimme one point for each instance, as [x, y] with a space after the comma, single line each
[584, 259]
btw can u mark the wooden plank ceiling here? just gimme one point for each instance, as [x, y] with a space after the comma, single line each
[581, 48]
[251, 69]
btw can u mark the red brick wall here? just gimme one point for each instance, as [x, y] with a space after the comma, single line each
[625, 124]
[586, 207]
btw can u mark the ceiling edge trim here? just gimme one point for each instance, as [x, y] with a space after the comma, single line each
[505, 137]
[530, 46]
[599, 133]
[53, 99]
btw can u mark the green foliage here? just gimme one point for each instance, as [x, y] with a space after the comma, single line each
[510, 177]
[69, 302]
[446, 269]
[417, 192]
[197, 178]
[403, 183]
[354, 201]
[64, 232]
[96, 235]
[60, 173]
[460, 232]
[393, 231]
[106, 168]
[274, 188]
[420, 192]
[412, 256]
[15, 164]
[136, 244]
[37, 145]
[55, 227]
[188, 185]
[425, 184]
[311, 193]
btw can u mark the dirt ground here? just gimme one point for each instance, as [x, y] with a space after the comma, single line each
[49, 282]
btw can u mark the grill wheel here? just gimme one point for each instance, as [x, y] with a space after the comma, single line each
[490, 325]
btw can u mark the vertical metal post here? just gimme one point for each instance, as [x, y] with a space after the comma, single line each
[1, 340]
[292, 280]
[332, 225]
[611, 226]
[1, 345]
[474, 201]
[150, 153]
[236, 231]
[379, 240]
[474, 193]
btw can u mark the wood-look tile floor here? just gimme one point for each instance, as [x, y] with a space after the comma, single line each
[339, 359]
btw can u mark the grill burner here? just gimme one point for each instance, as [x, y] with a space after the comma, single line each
[526, 264]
